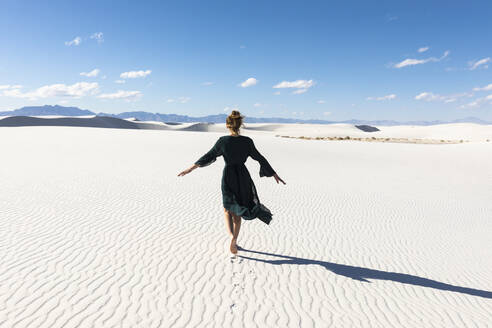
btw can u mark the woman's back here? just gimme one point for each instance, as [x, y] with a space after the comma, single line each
[236, 149]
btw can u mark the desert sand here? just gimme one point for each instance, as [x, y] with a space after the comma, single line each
[441, 133]
[97, 230]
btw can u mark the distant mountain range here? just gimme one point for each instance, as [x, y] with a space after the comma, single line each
[47, 110]
[219, 118]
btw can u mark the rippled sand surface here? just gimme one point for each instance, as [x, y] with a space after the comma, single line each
[97, 230]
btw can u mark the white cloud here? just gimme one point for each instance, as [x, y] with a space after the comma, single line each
[485, 88]
[301, 85]
[471, 105]
[411, 62]
[387, 97]
[423, 49]
[321, 101]
[242, 46]
[326, 113]
[92, 73]
[249, 82]
[98, 36]
[76, 90]
[429, 96]
[8, 86]
[135, 74]
[120, 94]
[482, 63]
[182, 100]
[207, 83]
[478, 102]
[276, 93]
[74, 42]
[257, 105]
[390, 18]
[120, 81]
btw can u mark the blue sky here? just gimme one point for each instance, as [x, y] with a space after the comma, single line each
[299, 59]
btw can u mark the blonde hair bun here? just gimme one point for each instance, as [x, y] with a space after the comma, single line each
[234, 121]
[235, 114]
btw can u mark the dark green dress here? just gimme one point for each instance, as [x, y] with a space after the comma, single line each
[238, 190]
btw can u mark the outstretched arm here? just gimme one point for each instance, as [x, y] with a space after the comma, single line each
[205, 160]
[188, 170]
[266, 169]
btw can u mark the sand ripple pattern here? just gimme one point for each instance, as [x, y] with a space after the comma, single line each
[96, 230]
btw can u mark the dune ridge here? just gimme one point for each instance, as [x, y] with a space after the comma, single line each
[95, 122]
[433, 134]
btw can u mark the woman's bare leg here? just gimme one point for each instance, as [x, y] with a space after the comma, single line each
[228, 220]
[235, 233]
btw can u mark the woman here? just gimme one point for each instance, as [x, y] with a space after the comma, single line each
[239, 195]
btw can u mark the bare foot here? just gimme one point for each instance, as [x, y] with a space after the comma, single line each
[233, 246]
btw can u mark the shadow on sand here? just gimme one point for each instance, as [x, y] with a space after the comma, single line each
[363, 274]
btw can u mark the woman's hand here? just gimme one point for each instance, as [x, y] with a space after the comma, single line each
[277, 178]
[188, 170]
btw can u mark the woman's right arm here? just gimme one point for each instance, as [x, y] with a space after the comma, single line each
[210, 156]
[206, 159]
[194, 166]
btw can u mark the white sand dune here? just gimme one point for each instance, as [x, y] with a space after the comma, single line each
[455, 131]
[95, 121]
[202, 127]
[466, 131]
[97, 230]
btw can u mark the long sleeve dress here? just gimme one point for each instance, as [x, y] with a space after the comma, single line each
[238, 190]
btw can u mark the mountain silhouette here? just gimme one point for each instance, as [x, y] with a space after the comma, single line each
[217, 118]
